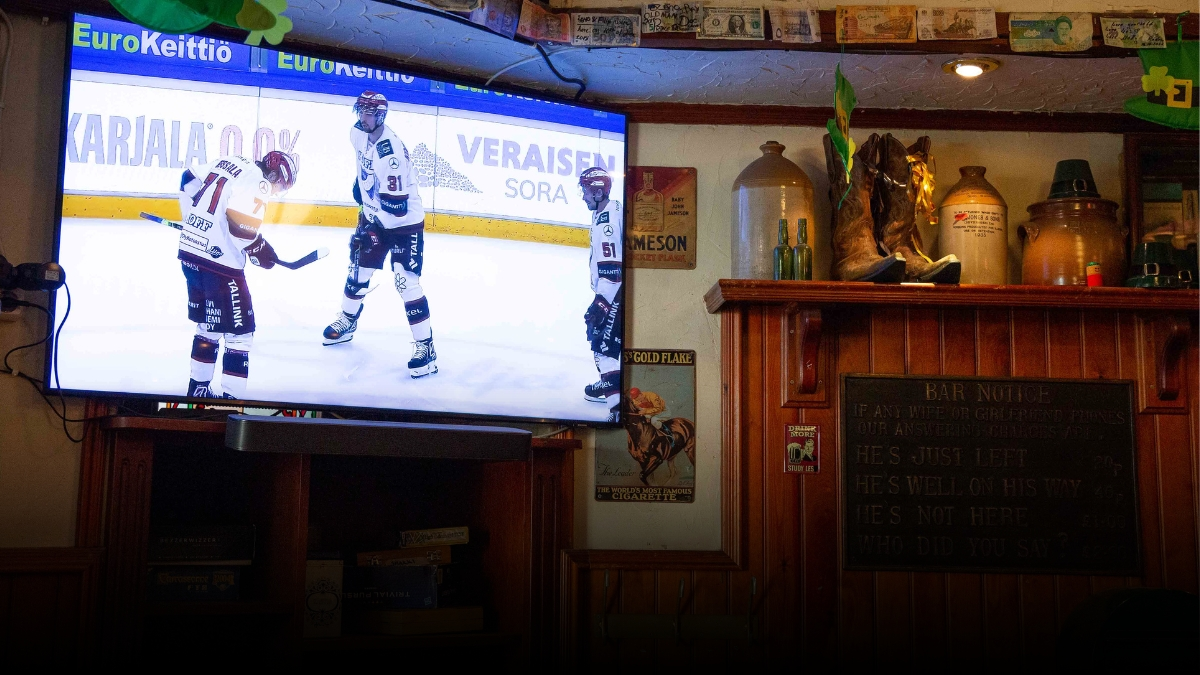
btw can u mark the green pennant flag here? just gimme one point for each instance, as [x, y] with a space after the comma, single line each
[839, 127]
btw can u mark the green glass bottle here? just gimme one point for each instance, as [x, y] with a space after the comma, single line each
[783, 254]
[802, 253]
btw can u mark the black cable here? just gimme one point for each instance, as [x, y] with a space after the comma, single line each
[57, 380]
[31, 344]
[570, 80]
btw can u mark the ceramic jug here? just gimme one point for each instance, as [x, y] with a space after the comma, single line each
[769, 189]
[973, 225]
[1064, 235]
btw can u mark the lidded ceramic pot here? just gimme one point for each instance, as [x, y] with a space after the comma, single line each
[1072, 228]
[769, 189]
[973, 225]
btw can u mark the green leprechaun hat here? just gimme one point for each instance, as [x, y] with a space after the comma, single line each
[1171, 84]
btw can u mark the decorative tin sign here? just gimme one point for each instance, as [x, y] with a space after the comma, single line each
[661, 217]
[803, 448]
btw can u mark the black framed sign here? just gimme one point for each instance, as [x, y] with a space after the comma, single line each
[989, 474]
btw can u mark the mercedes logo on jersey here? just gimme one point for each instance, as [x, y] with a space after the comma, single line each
[608, 230]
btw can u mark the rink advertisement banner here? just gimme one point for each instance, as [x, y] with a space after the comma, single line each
[660, 204]
[478, 309]
[653, 459]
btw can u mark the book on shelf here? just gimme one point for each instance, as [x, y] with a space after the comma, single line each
[323, 598]
[390, 587]
[442, 536]
[209, 583]
[419, 621]
[421, 555]
[226, 545]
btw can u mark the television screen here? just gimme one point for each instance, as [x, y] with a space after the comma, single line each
[271, 227]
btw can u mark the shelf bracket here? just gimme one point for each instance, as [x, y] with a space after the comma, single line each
[803, 365]
[1167, 357]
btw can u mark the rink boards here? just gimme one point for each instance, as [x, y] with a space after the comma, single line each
[506, 316]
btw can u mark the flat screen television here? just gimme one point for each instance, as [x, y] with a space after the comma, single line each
[458, 270]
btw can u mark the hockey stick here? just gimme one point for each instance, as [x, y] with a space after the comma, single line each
[311, 257]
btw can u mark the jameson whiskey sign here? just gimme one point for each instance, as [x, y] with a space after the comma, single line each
[661, 217]
[653, 459]
[989, 474]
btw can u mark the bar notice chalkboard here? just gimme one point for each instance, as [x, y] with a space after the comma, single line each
[989, 474]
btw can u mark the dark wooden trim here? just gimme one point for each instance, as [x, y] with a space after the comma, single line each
[825, 293]
[82, 562]
[1133, 144]
[598, 559]
[163, 424]
[885, 118]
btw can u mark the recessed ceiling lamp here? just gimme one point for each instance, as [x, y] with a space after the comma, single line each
[971, 67]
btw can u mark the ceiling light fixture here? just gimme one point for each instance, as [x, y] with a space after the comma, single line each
[970, 67]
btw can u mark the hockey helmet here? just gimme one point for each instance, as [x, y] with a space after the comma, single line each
[280, 168]
[595, 177]
[372, 102]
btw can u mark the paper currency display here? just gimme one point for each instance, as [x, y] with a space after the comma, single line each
[661, 218]
[501, 16]
[796, 25]
[731, 23]
[956, 23]
[1050, 32]
[606, 30]
[670, 17]
[1142, 33]
[870, 24]
[653, 459]
[541, 26]
[453, 5]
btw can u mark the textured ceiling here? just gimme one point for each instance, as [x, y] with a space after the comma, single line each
[724, 77]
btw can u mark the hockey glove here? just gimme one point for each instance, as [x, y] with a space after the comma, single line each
[261, 253]
[595, 315]
[365, 236]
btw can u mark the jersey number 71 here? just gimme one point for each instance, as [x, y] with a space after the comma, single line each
[216, 196]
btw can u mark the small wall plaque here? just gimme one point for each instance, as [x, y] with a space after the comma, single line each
[803, 448]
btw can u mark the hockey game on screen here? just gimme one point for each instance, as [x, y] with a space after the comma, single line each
[257, 225]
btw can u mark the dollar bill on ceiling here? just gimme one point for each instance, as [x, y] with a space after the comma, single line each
[873, 24]
[796, 23]
[670, 17]
[1133, 33]
[731, 23]
[956, 23]
[502, 16]
[606, 30]
[1050, 31]
[540, 25]
[653, 458]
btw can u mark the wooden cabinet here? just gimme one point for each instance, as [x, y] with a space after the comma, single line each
[141, 473]
[782, 532]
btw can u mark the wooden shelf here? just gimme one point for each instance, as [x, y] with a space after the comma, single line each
[451, 640]
[239, 608]
[728, 292]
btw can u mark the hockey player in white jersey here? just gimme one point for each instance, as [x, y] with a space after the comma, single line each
[391, 219]
[223, 204]
[604, 317]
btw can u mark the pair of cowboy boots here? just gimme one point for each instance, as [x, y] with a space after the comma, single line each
[875, 235]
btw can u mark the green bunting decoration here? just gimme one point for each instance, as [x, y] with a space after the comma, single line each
[262, 18]
[839, 127]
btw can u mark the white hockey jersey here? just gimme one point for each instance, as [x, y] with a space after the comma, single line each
[387, 179]
[208, 238]
[607, 236]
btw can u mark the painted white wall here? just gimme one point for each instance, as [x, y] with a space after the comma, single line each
[667, 309]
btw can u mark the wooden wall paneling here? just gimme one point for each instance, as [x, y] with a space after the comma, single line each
[733, 441]
[48, 606]
[964, 592]
[711, 596]
[94, 455]
[638, 595]
[818, 499]
[671, 651]
[1002, 601]
[1039, 624]
[1145, 438]
[553, 522]
[893, 590]
[923, 349]
[505, 486]
[857, 641]
[285, 544]
[127, 522]
[1177, 457]
[1192, 366]
[779, 589]
[1064, 330]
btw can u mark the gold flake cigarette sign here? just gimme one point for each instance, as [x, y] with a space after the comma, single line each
[661, 217]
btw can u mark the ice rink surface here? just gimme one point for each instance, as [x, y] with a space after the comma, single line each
[507, 323]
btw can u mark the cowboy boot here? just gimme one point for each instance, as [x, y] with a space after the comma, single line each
[894, 208]
[855, 255]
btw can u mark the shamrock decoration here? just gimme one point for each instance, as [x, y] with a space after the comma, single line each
[1158, 80]
[263, 18]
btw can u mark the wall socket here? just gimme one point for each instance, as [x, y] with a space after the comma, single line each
[14, 315]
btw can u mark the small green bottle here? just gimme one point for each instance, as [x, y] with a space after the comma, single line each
[802, 253]
[783, 254]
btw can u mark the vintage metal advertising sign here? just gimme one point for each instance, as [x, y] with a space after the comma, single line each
[803, 451]
[989, 474]
[653, 459]
[661, 218]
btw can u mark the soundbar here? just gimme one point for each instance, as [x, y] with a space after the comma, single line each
[323, 436]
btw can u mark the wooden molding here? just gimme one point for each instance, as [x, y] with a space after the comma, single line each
[832, 293]
[597, 559]
[34, 597]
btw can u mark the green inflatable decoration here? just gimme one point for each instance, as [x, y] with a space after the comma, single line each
[1171, 80]
[263, 18]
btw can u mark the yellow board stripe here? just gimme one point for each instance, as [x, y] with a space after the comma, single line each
[331, 215]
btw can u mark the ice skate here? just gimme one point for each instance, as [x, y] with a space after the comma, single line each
[594, 392]
[197, 389]
[342, 329]
[424, 359]
[614, 414]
